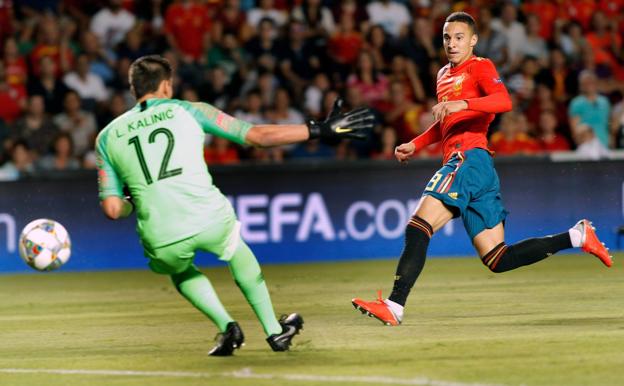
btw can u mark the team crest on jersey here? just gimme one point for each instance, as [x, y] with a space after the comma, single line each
[458, 84]
[224, 120]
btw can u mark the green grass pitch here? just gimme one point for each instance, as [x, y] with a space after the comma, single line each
[559, 322]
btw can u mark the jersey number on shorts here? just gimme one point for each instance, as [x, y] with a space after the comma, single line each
[433, 182]
[164, 173]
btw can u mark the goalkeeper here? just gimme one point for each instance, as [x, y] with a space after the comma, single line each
[156, 150]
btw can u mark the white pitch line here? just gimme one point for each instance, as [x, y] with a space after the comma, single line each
[246, 373]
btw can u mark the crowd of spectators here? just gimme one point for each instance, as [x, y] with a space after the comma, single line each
[63, 73]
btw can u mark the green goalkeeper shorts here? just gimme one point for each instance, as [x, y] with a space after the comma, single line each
[177, 257]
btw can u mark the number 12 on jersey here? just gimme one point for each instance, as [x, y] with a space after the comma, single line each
[163, 173]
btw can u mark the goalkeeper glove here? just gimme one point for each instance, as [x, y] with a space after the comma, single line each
[352, 124]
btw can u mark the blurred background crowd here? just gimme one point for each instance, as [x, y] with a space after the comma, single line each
[63, 73]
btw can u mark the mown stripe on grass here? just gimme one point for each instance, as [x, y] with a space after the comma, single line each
[247, 373]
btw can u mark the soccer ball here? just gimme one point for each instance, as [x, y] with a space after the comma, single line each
[44, 245]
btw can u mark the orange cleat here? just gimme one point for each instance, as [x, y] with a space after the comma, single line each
[591, 244]
[378, 309]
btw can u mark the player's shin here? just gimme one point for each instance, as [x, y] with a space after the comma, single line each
[198, 290]
[417, 235]
[248, 276]
[504, 258]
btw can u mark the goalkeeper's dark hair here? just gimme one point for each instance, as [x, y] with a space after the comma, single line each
[462, 17]
[146, 73]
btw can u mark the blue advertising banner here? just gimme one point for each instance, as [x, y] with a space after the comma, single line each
[316, 212]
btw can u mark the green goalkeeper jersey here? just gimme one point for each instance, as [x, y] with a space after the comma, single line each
[156, 149]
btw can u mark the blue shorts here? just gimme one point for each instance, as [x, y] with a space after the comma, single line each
[469, 185]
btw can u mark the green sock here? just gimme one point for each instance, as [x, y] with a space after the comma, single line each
[248, 277]
[198, 290]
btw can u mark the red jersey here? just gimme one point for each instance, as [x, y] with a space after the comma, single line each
[547, 13]
[188, 23]
[519, 144]
[476, 82]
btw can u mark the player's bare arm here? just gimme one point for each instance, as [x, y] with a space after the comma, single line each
[116, 207]
[404, 151]
[275, 135]
[444, 109]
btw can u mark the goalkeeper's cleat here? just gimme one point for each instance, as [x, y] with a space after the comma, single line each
[378, 308]
[291, 325]
[228, 341]
[591, 244]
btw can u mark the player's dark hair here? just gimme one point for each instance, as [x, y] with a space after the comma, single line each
[462, 17]
[146, 73]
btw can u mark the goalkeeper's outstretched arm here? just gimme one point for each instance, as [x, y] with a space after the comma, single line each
[275, 135]
[353, 124]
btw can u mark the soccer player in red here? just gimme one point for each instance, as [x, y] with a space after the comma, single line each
[470, 93]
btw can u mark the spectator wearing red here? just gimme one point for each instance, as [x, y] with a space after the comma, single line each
[405, 71]
[220, 152]
[577, 10]
[547, 13]
[425, 120]
[187, 22]
[473, 7]
[402, 113]
[12, 98]
[345, 45]
[550, 139]
[232, 19]
[353, 8]
[15, 64]
[50, 43]
[368, 80]
[613, 10]
[512, 138]
[543, 100]
[605, 42]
